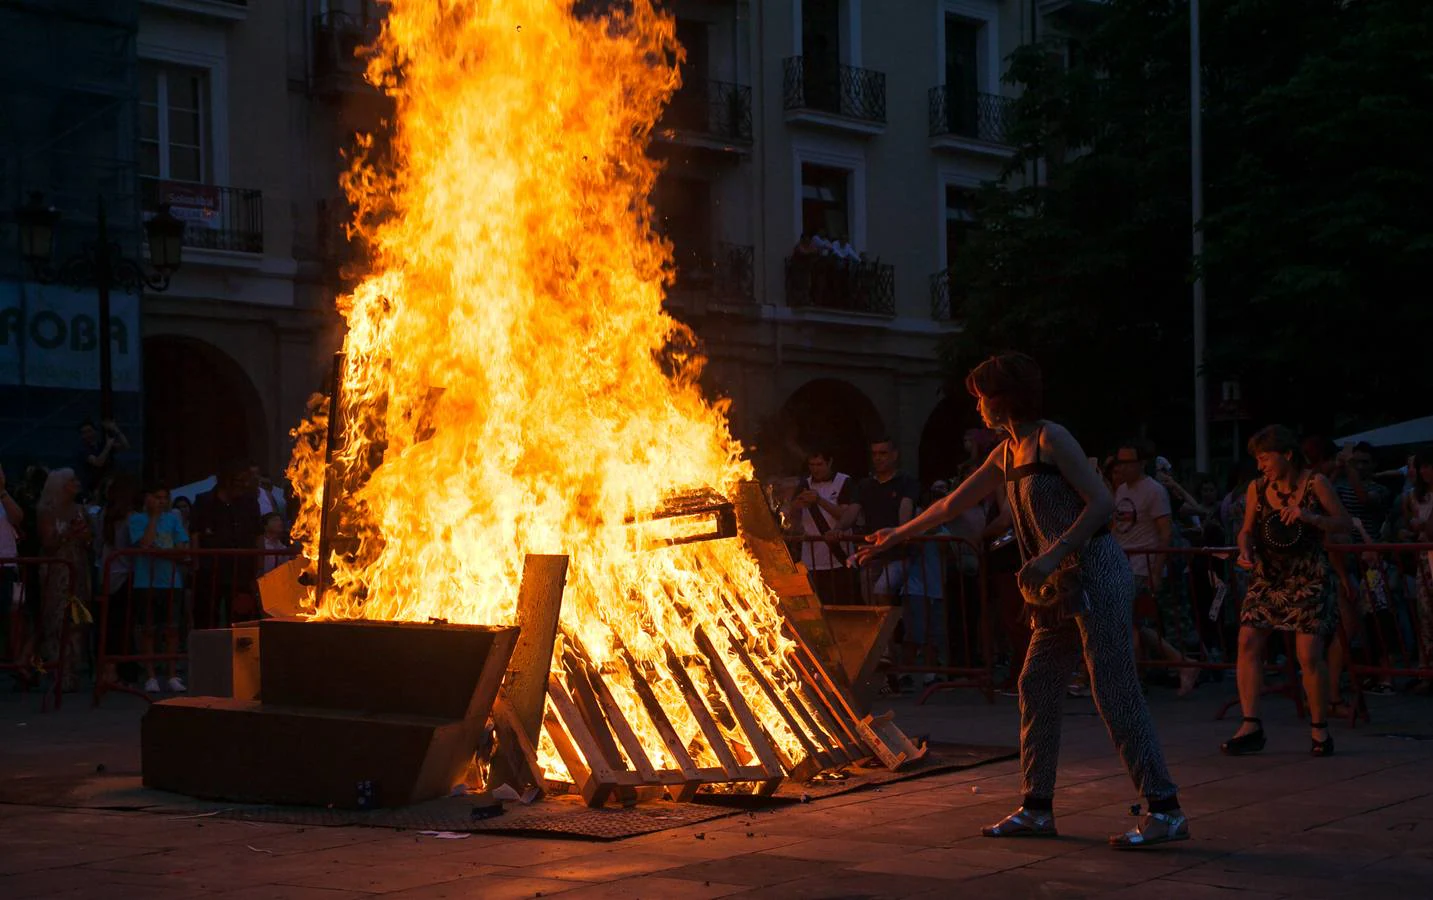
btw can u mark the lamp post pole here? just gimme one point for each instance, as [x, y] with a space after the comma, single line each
[104, 274]
[1196, 205]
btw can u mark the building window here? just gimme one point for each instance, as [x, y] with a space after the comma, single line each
[173, 123]
[959, 220]
[684, 216]
[825, 201]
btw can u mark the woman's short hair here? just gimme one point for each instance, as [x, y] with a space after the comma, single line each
[1010, 380]
[1275, 439]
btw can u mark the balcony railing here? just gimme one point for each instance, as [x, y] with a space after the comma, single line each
[215, 217]
[947, 301]
[826, 282]
[714, 109]
[728, 274]
[823, 86]
[337, 39]
[983, 117]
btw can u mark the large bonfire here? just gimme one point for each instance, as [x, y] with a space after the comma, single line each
[512, 383]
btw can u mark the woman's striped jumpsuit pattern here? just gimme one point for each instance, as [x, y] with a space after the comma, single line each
[1044, 506]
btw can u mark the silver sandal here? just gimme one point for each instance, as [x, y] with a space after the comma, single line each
[1154, 829]
[1023, 823]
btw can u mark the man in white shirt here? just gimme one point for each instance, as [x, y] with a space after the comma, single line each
[843, 250]
[821, 504]
[1142, 518]
[1142, 523]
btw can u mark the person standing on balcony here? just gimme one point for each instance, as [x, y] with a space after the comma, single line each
[1061, 511]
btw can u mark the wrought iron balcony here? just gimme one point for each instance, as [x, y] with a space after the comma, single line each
[728, 275]
[826, 282]
[969, 114]
[824, 86]
[717, 110]
[946, 301]
[215, 217]
[337, 39]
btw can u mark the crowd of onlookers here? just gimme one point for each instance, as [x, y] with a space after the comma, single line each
[1187, 598]
[117, 565]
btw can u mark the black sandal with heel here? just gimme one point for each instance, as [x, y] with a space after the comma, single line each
[1322, 747]
[1245, 744]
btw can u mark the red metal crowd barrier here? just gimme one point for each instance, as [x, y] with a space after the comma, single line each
[151, 599]
[963, 613]
[25, 589]
[946, 634]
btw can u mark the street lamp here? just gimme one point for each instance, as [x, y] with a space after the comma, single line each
[101, 265]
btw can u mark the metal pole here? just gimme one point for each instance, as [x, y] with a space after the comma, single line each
[1196, 204]
[328, 502]
[104, 274]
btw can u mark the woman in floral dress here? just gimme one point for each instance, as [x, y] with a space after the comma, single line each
[1292, 587]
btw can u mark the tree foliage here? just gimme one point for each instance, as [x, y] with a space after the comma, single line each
[1316, 257]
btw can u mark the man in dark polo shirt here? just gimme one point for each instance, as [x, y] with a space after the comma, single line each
[885, 499]
[226, 518]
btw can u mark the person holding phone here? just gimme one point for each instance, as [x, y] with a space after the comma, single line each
[1292, 587]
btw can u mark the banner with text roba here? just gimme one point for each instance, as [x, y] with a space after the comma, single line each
[49, 337]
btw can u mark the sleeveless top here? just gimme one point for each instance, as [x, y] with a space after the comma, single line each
[1274, 537]
[1043, 507]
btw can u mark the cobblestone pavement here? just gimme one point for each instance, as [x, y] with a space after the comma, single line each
[1280, 824]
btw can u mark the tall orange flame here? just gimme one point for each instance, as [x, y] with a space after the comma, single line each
[513, 384]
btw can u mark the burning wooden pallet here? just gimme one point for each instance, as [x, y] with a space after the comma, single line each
[557, 687]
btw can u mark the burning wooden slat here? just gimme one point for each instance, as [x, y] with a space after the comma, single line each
[816, 759]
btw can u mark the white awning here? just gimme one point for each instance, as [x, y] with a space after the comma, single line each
[1414, 431]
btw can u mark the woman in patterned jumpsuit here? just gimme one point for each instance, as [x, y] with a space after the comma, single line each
[1061, 509]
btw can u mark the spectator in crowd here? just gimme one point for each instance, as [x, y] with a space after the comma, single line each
[822, 243]
[1365, 499]
[182, 506]
[819, 509]
[270, 496]
[158, 598]
[65, 535]
[114, 585]
[226, 518]
[1061, 512]
[923, 611]
[1142, 523]
[12, 519]
[805, 246]
[97, 452]
[273, 538]
[1287, 512]
[841, 248]
[885, 499]
[1418, 527]
[1323, 458]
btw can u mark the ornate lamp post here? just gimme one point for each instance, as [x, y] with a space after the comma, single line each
[101, 265]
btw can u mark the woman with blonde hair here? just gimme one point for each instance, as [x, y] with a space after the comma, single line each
[64, 534]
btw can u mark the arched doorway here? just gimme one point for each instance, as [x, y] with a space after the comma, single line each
[200, 410]
[942, 446]
[831, 413]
